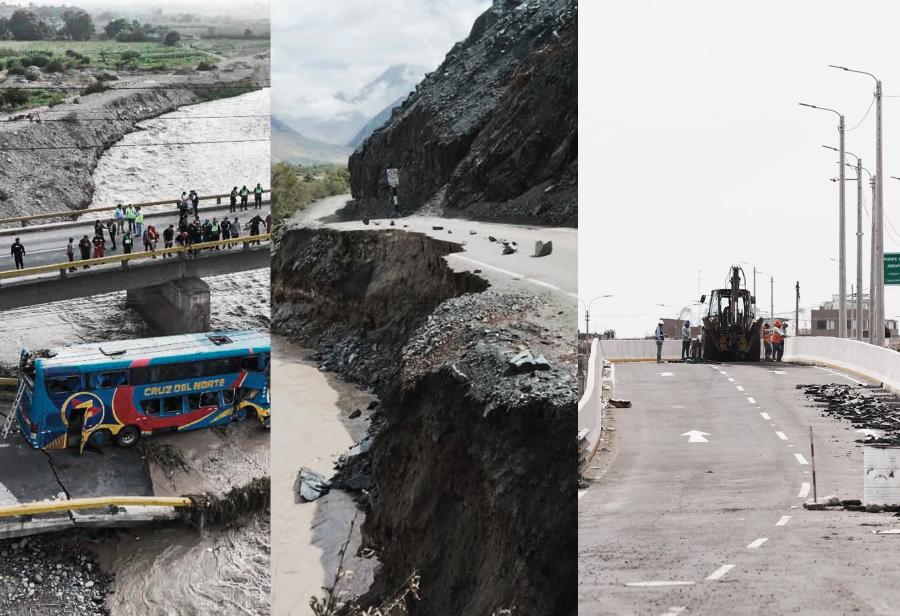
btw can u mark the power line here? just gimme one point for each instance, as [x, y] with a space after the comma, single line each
[864, 117]
[124, 145]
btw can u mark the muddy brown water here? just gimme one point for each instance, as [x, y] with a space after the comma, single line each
[177, 570]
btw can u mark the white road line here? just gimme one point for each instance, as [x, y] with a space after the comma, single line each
[658, 583]
[513, 274]
[674, 610]
[766, 416]
[843, 376]
[719, 573]
[665, 374]
[804, 490]
[781, 435]
[731, 379]
[751, 400]
[757, 543]
[784, 520]
[800, 458]
[739, 388]
[581, 493]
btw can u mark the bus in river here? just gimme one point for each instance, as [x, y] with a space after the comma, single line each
[124, 390]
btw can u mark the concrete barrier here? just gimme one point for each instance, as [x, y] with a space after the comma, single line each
[590, 407]
[875, 363]
[639, 350]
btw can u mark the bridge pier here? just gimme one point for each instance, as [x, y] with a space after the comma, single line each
[175, 307]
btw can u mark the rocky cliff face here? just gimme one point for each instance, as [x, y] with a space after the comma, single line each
[492, 133]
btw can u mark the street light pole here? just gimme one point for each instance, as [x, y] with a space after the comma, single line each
[842, 243]
[587, 312]
[876, 292]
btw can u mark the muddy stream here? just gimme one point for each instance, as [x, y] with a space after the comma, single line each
[176, 570]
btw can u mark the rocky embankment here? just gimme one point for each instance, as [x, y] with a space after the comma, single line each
[44, 166]
[492, 133]
[471, 459]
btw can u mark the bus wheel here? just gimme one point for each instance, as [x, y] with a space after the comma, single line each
[128, 436]
[240, 414]
[98, 438]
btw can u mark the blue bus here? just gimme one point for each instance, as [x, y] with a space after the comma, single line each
[120, 391]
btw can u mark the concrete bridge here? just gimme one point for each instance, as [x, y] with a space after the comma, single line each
[164, 285]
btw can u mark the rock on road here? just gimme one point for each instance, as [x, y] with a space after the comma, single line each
[724, 517]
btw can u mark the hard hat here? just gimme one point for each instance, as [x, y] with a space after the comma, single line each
[661, 322]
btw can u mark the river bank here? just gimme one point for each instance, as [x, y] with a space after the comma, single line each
[67, 145]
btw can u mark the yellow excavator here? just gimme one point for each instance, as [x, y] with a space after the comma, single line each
[731, 328]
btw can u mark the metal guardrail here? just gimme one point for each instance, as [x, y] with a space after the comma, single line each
[23, 220]
[39, 507]
[124, 259]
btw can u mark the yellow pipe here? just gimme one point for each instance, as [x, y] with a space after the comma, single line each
[6, 381]
[7, 511]
[106, 208]
[134, 256]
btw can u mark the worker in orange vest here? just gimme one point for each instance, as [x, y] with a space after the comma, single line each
[777, 341]
[767, 341]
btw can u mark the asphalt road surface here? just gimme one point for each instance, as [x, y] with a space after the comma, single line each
[557, 272]
[698, 505]
[48, 245]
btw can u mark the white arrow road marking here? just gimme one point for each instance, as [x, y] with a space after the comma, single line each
[804, 490]
[695, 436]
[751, 400]
[800, 458]
[766, 416]
[781, 435]
[658, 583]
[784, 520]
[719, 573]
[665, 374]
[757, 543]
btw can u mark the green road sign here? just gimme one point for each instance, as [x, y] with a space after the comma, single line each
[892, 268]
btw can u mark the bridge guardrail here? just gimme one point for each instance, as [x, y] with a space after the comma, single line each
[24, 220]
[76, 504]
[124, 259]
[590, 407]
[867, 360]
[623, 350]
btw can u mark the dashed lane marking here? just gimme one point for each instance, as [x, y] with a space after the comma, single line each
[751, 400]
[784, 520]
[781, 435]
[766, 416]
[719, 573]
[757, 543]
[800, 458]
[804, 490]
[731, 379]
[665, 374]
[844, 376]
[778, 371]
[674, 610]
[656, 583]
[512, 274]
[739, 388]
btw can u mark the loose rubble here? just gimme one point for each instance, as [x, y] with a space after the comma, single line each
[51, 577]
[868, 407]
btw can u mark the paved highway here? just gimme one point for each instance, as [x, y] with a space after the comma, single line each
[557, 272]
[47, 245]
[698, 505]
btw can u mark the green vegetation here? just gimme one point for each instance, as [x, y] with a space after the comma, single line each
[295, 186]
[13, 99]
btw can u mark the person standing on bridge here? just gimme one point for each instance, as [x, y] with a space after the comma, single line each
[226, 231]
[767, 341]
[98, 228]
[257, 196]
[233, 196]
[245, 193]
[130, 214]
[70, 252]
[168, 238]
[195, 202]
[18, 252]
[127, 243]
[235, 229]
[660, 337]
[268, 223]
[99, 247]
[254, 226]
[119, 217]
[777, 341]
[138, 222]
[84, 246]
[686, 341]
[215, 232]
[111, 228]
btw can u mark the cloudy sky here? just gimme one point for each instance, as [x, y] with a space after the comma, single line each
[700, 156]
[321, 48]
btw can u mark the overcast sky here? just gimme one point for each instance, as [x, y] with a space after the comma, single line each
[700, 156]
[323, 47]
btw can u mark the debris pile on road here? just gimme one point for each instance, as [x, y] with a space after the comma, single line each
[51, 577]
[312, 485]
[867, 407]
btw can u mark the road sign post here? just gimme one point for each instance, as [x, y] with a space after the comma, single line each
[892, 268]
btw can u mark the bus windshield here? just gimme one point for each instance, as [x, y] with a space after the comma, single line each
[122, 391]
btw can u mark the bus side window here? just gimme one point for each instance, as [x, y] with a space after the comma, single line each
[228, 396]
[250, 364]
[193, 402]
[144, 375]
[102, 380]
[150, 407]
[172, 405]
[210, 398]
[265, 362]
[63, 384]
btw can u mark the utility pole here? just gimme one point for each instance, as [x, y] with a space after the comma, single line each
[772, 296]
[873, 271]
[859, 243]
[842, 232]
[587, 323]
[797, 310]
[879, 218]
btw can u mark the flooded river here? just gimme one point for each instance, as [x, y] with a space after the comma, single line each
[176, 570]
